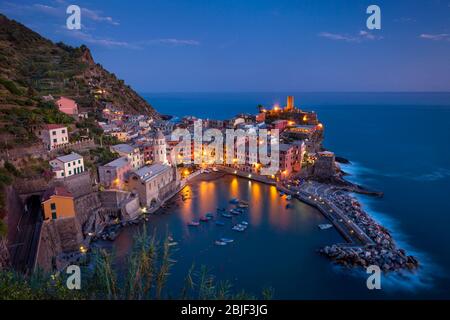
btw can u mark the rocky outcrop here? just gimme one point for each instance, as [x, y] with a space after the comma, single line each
[4, 254]
[58, 238]
[383, 252]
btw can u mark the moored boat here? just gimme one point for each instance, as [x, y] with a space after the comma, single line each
[325, 226]
[227, 240]
[220, 243]
[194, 224]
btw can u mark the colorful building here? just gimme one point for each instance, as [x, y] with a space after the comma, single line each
[67, 106]
[57, 203]
[68, 165]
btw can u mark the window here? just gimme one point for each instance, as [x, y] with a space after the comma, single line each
[63, 131]
[68, 164]
[54, 133]
[55, 141]
[54, 215]
[53, 206]
[70, 172]
[79, 161]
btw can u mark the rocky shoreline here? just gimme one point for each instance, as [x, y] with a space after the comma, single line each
[383, 252]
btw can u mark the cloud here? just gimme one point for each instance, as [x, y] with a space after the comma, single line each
[87, 38]
[435, 37]
[361, 36]
[97, 16]
[56, 11]
[171, 42]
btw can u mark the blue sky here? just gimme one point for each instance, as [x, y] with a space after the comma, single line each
[256, 45]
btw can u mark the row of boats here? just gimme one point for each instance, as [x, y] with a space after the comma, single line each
[240, 208]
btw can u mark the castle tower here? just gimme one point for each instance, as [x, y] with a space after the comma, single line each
[159, 148]
[290, 103]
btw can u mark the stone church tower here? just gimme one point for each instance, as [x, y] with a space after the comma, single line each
[159, 148]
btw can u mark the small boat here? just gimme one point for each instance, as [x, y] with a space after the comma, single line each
[242, 226]
[170, 238]
[236, 228]
[173, 243]
[245, 223]
[194, 224]
[226, 215]
[234, 201]
[204, 219]
[227, 240]
[215, 169]
[325, 226]
[209, 215]
[220, 223]
[235, 212]
[220, 243]
[289, 197]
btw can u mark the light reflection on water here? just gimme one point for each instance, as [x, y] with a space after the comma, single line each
[279, 248]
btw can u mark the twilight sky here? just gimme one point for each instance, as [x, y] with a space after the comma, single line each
[256, 45]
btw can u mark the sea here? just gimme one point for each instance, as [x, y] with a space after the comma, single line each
[397, 143]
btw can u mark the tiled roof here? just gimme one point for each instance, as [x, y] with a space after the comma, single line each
[55, 191]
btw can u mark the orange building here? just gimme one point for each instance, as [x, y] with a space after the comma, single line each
[57, 202]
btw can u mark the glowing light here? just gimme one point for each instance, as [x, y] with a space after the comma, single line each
[305, 118]
[83, 249]
[276, 107]
[235, 171]
[249, 175]
[320, 126]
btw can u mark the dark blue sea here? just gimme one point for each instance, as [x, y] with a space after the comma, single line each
[397, 143]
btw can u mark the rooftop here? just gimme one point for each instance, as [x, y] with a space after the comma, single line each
[118, 163]
[148, 172]
[55, 191]
[70, 157]
[54, 126]
[123, 148]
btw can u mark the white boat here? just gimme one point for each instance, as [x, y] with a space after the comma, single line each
[227, 240]
[325, 226]
[220, 243]
[215, 169]
[289, 197]
[245, 223]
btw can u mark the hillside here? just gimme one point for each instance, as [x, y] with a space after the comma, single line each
[32, 66]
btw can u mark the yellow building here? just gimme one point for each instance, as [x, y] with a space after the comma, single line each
[57, 203]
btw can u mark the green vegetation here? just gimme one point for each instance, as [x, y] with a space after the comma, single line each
[20, 122]
[146, 276]
[32, 66]
[11, 86]
[6, 178]
[102, 155]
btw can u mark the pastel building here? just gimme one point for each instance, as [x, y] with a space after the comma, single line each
[152, 183]
[67, 106]
[113, 174]
[133, 154]
[57, 203]
[67, 166]
[54, 136]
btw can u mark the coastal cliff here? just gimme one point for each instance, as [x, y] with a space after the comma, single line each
[32, 66]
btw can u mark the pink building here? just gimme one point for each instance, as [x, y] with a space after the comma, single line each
[280, 124]
[68, 106]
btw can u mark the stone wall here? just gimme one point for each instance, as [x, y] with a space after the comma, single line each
[57, 237]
